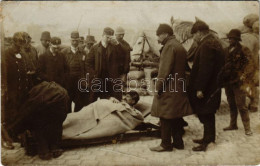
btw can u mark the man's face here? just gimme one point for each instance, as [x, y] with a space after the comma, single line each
[128, 99]
[74, 42]
[89, 45]
[197, 36]
[161, 37]
[106, 38]
[55, 49]
[45, 43]
[119, 37]
[232, 41]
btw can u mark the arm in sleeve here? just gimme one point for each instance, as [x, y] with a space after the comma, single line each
[41, 69]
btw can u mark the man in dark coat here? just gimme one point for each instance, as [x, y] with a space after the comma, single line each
[17, 71]
[30, 51]
[76, 60]
[234, 75]
[45, 42]
[171, 103]
[103, 62]
[52, 64]
[125, 55]
[204, 93]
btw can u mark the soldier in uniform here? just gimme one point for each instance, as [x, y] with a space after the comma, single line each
[76, 60]
[125, 55]
[17, 81]
[52, 64]
[203, 90]
[45, 41]
[234, 74]
[103, 64]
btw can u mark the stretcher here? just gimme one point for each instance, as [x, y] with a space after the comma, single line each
[143, 130]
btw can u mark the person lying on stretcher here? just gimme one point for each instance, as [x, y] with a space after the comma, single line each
[104, 117]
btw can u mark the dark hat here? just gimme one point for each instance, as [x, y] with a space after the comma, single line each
[55, 41]
[74, 35]
[90, 39]
[199, 26]
[108, 31]
[46, 35]
[81, 38]
[234, 33]
[164, 28]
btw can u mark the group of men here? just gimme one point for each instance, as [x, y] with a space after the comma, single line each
[214, 67]
[24, 66]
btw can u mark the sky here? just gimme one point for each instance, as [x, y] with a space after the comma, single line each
[60, 17]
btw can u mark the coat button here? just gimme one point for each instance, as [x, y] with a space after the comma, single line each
[18, 70]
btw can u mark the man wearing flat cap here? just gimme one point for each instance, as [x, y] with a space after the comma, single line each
[30, 51]
[103, 63]
[171, 102]
[52, 64]
[76, 60]
[45, 41]
[204, 91]
[125, 55]
[90, 41]
[234, 76]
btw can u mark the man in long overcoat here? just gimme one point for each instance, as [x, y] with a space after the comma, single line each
[76, 60]
[52, 64]
[103, 64]
[171, 103]
[204, 93]
[45, 43]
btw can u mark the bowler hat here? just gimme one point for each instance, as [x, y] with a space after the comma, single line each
[90, 39]
[199, 26]
[55, 41]
[74, 35]
[164, 28]
[235, 34]
[46, 35]
[108, 31]
[119, 31]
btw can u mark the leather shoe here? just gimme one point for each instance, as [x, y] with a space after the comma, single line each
[160, 149]
[230, 128]
[198, 141]
[202, 147]
[56, 153]
[180, 147]
[46, 156]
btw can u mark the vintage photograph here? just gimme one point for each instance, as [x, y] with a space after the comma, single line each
[130, 83]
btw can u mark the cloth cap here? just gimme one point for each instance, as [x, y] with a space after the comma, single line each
[81, 38]
[46, 35]
[199, 26]
[55, 41]
[234, 33]
[19, 36]
[74, 35]
[108, 31]
[90, 39]
[164, 28]
[119, 31]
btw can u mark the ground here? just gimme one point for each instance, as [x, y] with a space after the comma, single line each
[230, 148]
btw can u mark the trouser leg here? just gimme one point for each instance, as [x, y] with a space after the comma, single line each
[240, 97]
[254, 98]
[166, 130]
[177, 131]
[232, 106]
[208, 121]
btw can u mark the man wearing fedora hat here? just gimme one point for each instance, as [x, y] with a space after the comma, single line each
[233, 77]
[103, 63]
[52, 64]
[90, 41]
[45, 41]
[125, 55]
[76, 60]
[208, 60]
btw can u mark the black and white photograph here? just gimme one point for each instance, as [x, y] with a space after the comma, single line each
[130, 83]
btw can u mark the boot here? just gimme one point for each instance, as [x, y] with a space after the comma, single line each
[198, 141]
[230, 128]
[248, 131]
[160, 149]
